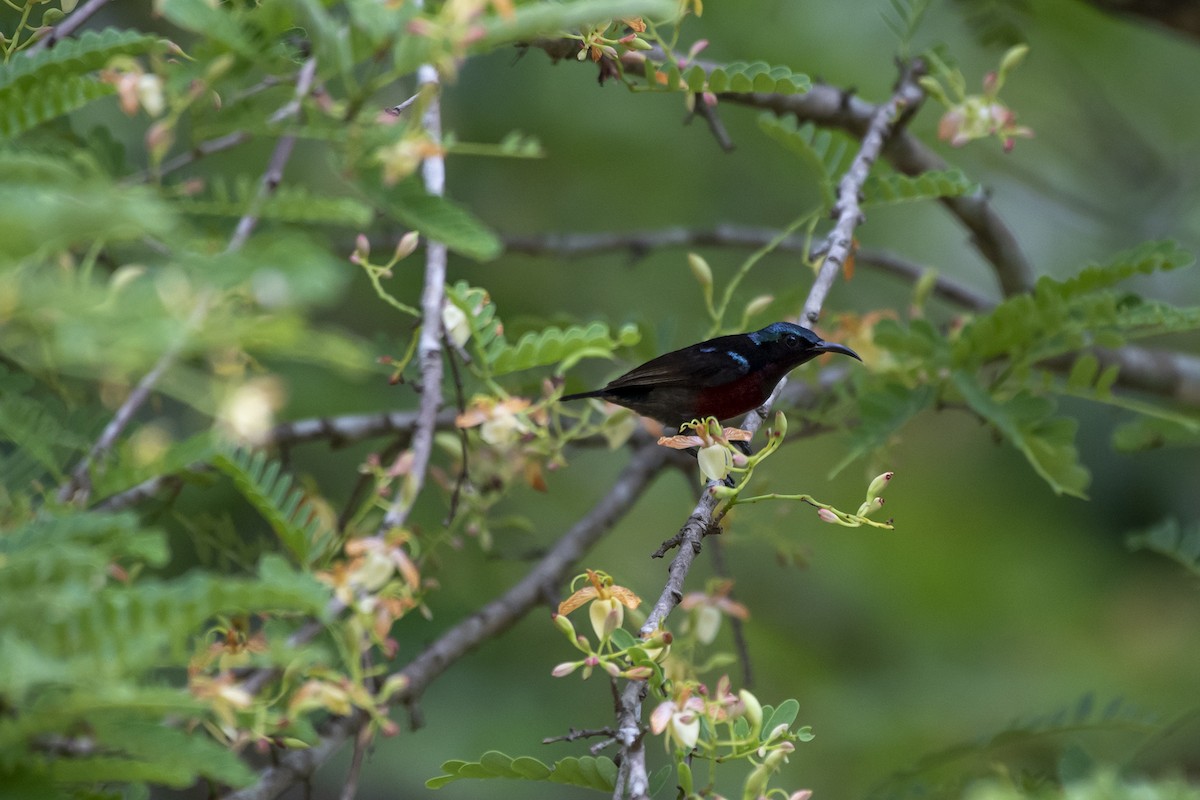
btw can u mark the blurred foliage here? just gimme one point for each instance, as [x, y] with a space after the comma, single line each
[133, 153]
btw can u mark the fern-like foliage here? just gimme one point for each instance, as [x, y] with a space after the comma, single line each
[79, 647]
[587, 772]
[737, 77]
[272, 492]
[286, 204]
[562, 346]
[1169, 538]
[825, 152]
[91, 51]
[439, 218]
[998, 22]
[904, 20]
[946, 772]
[25, 109]
[897, 188]
[59, 80]
[993, 363]
[534, 19]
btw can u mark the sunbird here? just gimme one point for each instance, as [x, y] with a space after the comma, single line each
[722, 377]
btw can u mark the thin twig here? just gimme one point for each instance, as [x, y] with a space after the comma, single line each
[68, 26]
[199, 151]
[833, 107]
[716, 551]
[429, 346]
[573, 735]
[464, 468]
[361, 742]
[639, 243]
[283, 151]
[350, 428]
[553, 568]
[715, 126]
[632, 777]
[78, 488]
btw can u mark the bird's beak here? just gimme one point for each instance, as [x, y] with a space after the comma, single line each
[833, 347]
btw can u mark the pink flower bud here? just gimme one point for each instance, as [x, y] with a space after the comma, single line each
[565, 668]
[826, 515]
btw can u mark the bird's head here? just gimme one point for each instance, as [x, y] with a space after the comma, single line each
[788, 343]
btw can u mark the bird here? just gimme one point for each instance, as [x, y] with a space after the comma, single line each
[721, 377]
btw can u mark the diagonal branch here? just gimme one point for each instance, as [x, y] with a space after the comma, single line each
[838, 246]
[68, 26]
[488, 622]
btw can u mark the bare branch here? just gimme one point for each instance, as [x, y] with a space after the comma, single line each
[361, 741]
[433, 297]
[554, 567]
[299, 765]
[638, 243]
[838, 244]
[283, 152]
[68, 26]
[832, 107]
[633, 781]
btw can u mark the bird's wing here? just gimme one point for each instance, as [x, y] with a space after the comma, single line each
[701, 366]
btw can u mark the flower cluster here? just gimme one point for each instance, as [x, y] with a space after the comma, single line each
[616, 652]
[976, 116]
[721, 725]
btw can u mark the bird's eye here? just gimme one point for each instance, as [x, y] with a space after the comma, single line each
[792, 340]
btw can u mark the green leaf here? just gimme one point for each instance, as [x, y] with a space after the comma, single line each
[824, 152]
[22, 109]
[287, 203]
[882, 412]
[211, 21]
[554, 345]
[785, 714]
[270, 490]
[756, 76]
[442, 220]
[167, 755]
[549, 19]
[588, 772]
[88, 52]
[1149, 433]
[1170, 539]
[1025, 420]
[897, 188]
[1145, 259]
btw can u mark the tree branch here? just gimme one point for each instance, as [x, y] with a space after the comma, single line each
[832, 107]
[68, 26]
[429, 346]
[838, 245]
[554, 567]
[638, 243]
[490, 621]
